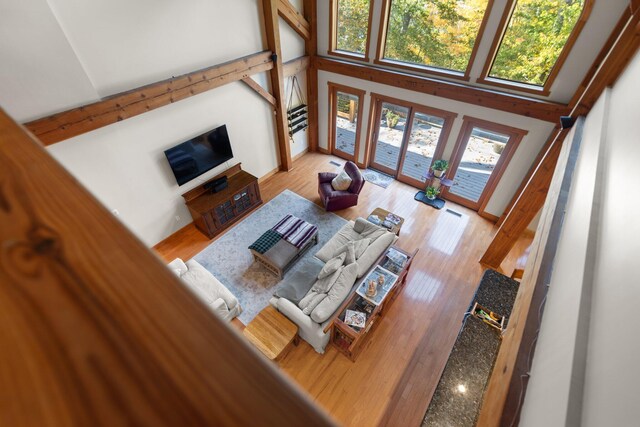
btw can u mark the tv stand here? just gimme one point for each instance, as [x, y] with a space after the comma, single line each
[213, 213]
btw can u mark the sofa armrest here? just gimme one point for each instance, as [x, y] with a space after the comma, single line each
[220, 307]
[326, 177]
[294, 314]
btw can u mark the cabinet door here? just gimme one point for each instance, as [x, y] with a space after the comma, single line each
[242, 200]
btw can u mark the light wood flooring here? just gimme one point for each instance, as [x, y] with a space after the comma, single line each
[393, 379]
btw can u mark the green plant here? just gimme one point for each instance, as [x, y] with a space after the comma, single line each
[392, 119]
[440, 165]
[431, 192]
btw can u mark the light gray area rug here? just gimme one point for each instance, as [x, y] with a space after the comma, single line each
[229, 259]
[376, 177]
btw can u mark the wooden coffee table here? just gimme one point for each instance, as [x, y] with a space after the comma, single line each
[382, 214]
[272, 333]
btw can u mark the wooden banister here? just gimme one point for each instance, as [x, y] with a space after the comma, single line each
[96, 331]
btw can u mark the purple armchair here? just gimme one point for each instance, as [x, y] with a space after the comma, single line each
[334, 200]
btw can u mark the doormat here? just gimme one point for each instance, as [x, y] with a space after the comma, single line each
[436, 203]
[377, 178]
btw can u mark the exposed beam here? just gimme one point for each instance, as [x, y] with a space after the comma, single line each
[525, 106]
[113, 109]
[272, 31]
[292, 17]
[311, 47]
[259, 90]
[295, 66]
[102, 333]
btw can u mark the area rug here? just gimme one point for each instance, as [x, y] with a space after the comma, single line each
[377, 178]
[231, 262]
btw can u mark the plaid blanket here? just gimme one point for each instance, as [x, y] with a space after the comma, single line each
[266, 241]
[295, 230]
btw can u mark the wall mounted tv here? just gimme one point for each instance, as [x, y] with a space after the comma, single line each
[199, 155]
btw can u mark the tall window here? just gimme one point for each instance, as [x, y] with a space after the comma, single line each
[433, 33]
[538, 36]
[349, 33]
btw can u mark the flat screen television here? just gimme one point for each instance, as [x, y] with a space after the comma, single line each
[200, 154]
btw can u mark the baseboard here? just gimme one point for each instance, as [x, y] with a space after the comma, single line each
[268, 175]
[323, 150]
[490, 217]
[300, 154]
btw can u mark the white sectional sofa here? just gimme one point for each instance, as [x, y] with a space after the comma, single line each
[342, 268]
[207, 288]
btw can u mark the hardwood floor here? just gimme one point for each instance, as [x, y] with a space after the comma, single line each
[392, 381]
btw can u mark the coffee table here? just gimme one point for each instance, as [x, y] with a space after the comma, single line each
[272, 333]
[382, 214]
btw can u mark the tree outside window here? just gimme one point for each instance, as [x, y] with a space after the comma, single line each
[534, 39]
[433, 33]
[351, 27]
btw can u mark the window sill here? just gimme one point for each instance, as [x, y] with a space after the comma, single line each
[521, 87]
[458, 75]
[348, 55]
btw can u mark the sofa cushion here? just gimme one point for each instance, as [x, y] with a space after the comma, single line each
[336, 295]
[345, 235]
[342, 182]
[296, 285]
[311, 301]
[205, 285]
[332, 265]
[373, 252]
[359, 246]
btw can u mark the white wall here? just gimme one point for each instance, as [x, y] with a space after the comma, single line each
[602, 20]
[595, 365]
[63, 53]
[538, 130]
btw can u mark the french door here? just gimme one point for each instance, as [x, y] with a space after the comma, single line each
[407, 137]
[480, 157]
[345, 120]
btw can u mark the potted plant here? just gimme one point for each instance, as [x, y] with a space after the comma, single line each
[392, 119]
[439, 167]
[431, 192]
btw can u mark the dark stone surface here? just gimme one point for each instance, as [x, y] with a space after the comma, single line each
[469, 365]
[472, 358]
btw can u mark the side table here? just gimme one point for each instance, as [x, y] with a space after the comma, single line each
[271, 333]
[381, 214]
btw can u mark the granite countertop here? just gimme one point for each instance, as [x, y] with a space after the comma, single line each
[458, 396]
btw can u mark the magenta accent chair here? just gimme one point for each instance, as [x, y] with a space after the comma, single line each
[335, 200]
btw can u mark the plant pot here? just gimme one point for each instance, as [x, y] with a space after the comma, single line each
[438, 174]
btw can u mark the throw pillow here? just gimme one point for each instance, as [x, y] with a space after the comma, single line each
[342, 182]
[336, 295]
[332, 265]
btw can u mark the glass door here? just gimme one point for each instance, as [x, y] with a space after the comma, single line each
[480, 157]
[390, 137]
[345, 121]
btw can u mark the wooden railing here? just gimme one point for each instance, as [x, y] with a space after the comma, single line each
[96, 331]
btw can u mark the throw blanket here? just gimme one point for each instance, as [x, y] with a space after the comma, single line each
[295, 230]
[266, 241]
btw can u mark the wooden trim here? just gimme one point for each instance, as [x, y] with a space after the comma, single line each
[486, 215]
[334, 88]
[516, 104]
[101, 331]
[333, 22]
[295, 20]
[295, 66]
[311, 49]
[544, 90]
[515, 136]
[268, 175]
[272, 30]
[423, 68]
[553, 135]
[259, 90]
[70, 123]
[300, 154]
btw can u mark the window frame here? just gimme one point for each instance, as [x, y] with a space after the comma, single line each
[468, 123]
[442, 72]
[544, 90]
[333, 38]
[333, 89]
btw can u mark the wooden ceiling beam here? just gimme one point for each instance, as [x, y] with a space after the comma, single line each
[259, 90]
[521, 105]
[70, 123]
[295, 20]
[295, 66]
[102, 333]
[311, 50]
